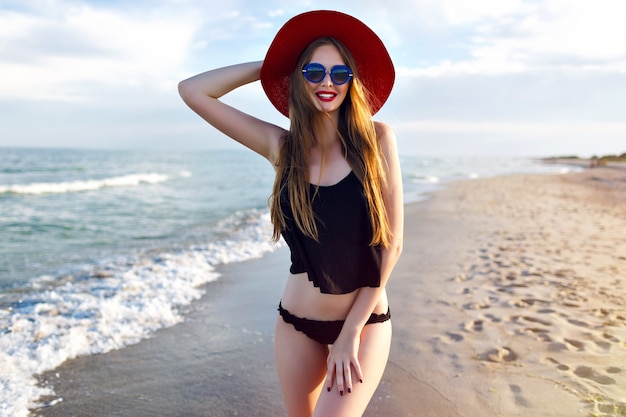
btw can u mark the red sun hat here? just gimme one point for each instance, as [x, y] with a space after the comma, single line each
[374, 64]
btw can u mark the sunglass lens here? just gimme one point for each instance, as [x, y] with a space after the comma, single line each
[314, 73]
[340, 75]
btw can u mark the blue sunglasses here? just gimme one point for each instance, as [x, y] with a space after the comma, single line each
[315, 73]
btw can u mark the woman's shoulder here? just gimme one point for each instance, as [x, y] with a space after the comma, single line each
[384, 133]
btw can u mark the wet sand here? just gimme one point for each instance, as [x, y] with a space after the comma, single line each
[509, 300]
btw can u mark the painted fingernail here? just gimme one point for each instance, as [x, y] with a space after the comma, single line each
[341, 393]
[349, 390]
[361, 381]
[328, 389]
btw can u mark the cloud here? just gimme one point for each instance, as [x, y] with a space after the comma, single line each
[458, 12]
[55, 56]
[448, 68]
[578, 28]
[510, 36]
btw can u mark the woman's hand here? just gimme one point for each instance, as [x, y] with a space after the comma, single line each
[343, 367]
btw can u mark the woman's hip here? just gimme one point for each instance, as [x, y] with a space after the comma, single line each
[324, 331]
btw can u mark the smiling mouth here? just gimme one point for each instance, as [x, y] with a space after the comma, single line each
[324, 96]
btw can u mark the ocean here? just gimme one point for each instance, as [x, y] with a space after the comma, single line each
[99, 249]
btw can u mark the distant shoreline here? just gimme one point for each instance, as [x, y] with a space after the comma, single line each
[614, 161]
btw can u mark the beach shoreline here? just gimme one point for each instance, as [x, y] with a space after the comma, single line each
[508, 301]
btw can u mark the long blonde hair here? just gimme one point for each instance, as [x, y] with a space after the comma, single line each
[359, 144]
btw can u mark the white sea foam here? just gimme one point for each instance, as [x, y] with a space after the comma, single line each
[86, 185]
[111, 306]
[425, 179]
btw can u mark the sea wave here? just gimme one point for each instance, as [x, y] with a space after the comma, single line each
[110, 305]
[85, 185]
[425, 179]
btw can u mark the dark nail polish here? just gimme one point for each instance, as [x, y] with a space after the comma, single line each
[349, 390]
[341, 393]
[328, 389]
[361, 381]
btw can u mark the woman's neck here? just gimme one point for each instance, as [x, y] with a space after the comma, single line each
[326, 133]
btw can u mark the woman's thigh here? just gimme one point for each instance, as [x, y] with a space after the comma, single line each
[373, 356]
[301, 366]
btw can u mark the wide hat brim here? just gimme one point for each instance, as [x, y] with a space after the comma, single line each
[374, 64]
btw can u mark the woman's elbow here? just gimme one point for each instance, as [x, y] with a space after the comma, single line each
[395, 249]
[184, 90]
[398, 248]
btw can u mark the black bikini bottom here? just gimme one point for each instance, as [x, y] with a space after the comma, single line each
[324, 332]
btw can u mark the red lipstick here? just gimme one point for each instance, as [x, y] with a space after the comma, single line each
[326, 96]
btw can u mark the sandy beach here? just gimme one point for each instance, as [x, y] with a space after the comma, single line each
[509, 300]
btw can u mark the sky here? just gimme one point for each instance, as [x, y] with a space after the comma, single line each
[480, 77]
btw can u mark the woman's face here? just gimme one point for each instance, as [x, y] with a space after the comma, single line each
[326, 95]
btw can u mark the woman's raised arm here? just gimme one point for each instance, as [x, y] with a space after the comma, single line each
[202, 92]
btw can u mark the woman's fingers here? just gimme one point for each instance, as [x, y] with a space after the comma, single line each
[330, 372]
[358, 372]
[347, 375]
[342, 374]
[339, 378]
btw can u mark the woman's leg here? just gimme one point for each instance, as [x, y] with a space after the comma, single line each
[301, 365]
[373, 356]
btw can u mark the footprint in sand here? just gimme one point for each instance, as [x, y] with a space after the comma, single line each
[474, 326]
[557, 347]
[559, 366]
[578, 323]
[531, 273]
[607, 314]
[519, 398]
[575, 343]
[461, 278]
[519, 303]
[455, 337]
[447, 338]
[477, 305]
[533, 301]
[536, 320]
[541, 334]
[494, 319]
[589, 373]
[521, 319]
[603, 345]
[527, 302]
[499, 355]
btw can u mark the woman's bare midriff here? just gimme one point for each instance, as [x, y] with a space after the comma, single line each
[303, 299]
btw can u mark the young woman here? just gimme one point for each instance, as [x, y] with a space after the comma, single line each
[337, 201]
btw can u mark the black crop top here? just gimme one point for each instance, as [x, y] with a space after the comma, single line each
[343, 260]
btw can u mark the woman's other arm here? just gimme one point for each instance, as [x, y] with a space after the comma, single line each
[345, 350]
